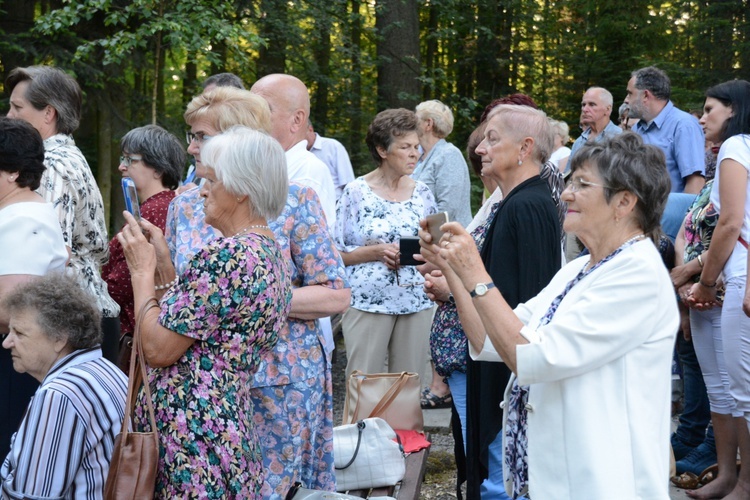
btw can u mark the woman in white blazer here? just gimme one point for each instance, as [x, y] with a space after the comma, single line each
[587, 413]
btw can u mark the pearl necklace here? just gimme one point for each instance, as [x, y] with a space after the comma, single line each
[633, 239]
[257, 226]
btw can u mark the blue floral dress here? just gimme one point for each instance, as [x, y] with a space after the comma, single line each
[233, 299]
[293, 392]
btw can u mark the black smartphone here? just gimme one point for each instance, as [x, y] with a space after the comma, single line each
[131, 197]
[408, 246]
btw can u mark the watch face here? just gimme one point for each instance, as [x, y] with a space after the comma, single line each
[480, 289]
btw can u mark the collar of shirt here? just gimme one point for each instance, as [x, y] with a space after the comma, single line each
[658, 121]
[72, 359]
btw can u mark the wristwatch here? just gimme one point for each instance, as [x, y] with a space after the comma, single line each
[481, 289]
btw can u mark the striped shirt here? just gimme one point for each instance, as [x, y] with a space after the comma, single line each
[64, 445]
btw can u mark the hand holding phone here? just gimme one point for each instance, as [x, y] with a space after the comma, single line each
[434, 222]
[131, 198]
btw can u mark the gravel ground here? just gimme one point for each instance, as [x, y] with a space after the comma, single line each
[440, 478]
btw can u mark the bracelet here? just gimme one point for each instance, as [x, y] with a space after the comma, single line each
[167, 285]
[707, 285]
[700, 261]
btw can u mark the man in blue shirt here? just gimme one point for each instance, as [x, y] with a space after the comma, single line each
[673, 131]
[596, 108]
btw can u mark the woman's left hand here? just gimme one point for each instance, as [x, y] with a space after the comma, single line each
[701, 297]
[139, 253]
[436, 287]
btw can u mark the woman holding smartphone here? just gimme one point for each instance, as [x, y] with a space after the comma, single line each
[389, 316]
[153, 159]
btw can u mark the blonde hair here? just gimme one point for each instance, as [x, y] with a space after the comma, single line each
[560, 128]
[225, 107]
[440, 114]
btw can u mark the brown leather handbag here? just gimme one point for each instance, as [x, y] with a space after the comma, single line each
[394, 397]
[132, 471]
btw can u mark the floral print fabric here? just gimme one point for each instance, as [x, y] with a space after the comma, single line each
[448, 347]
[233, 299]
[700, 223]
[293, 389]
[186, 230]
[364, 218]
[69, 185]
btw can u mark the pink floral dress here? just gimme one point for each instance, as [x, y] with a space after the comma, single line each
[233, 299]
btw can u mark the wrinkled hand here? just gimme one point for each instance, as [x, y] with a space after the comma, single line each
[139, 253]
[155, 236]
[430, 251]
[390, 255]
[436, 286]
[459, 250]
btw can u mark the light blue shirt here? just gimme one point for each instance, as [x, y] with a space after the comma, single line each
[681, 138]
[610, 130]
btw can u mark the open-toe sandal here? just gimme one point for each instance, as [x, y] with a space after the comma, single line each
[430, 401]
[686, 481]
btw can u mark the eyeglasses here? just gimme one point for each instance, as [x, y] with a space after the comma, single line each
[128, 160]
[578, 184]
[198, 137]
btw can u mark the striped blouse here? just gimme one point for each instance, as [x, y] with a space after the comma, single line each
[64, 445]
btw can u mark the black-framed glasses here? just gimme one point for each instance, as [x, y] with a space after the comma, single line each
[198, 137]
[128, 160]
[578, 184]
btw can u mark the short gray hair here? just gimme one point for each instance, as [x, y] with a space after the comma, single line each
[604, 94]
[654, 80]
[525, 121]
[50, 86]
[63, 310]
[623, 108]
[625, 163]
[161, 151]
[250, 163]
[224, 80]
[440, 114]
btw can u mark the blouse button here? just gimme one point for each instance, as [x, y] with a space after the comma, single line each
[529, 407]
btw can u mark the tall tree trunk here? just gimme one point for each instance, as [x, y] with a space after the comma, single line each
[397, 26]
[355, 105]
[104, 155]
[322, 54]
[18, 18]
[190, 83]
[272, 27]
[430, 52]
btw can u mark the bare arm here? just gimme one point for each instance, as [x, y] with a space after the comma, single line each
[694, 183]
[319, 301]
[382, 252]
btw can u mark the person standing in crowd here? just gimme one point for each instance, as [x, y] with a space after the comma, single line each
[154, 160]
[334, 155]
[582, 338]
[560, 152]
[387, 326]
[596, 108]
[64, 445]
[32, 245]
[215, 322]
[726, 118]
[50, 100]
[222, 80]
[443, 168]
[672, 130]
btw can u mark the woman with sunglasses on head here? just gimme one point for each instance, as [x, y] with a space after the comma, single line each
[153, 159]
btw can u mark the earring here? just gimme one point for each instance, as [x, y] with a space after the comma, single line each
[520, 162]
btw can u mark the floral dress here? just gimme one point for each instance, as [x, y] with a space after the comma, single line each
[233, 299]
[293, 389]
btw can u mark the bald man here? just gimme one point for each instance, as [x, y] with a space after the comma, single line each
[290, 108]
[596, 107]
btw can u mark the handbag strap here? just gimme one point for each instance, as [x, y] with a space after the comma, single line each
[136, 377]
[360, 428]
[390, 395]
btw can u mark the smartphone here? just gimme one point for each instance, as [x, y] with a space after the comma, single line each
[434, 222]
[408, 246]
[131, 198]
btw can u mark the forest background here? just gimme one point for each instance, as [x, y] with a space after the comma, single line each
[141, 61]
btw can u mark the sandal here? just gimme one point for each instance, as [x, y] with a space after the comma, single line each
[430, 401]
[686, 481]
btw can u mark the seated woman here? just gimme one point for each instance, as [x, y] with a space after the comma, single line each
[64, 445]
[389, 318]
[32, 245]
[154, 159]
[586, 364]
[216, 322]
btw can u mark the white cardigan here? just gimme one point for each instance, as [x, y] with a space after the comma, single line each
[599, 376]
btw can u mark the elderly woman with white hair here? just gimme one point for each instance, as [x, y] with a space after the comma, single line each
[215, 322]
[560, 136]
[442, 166]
